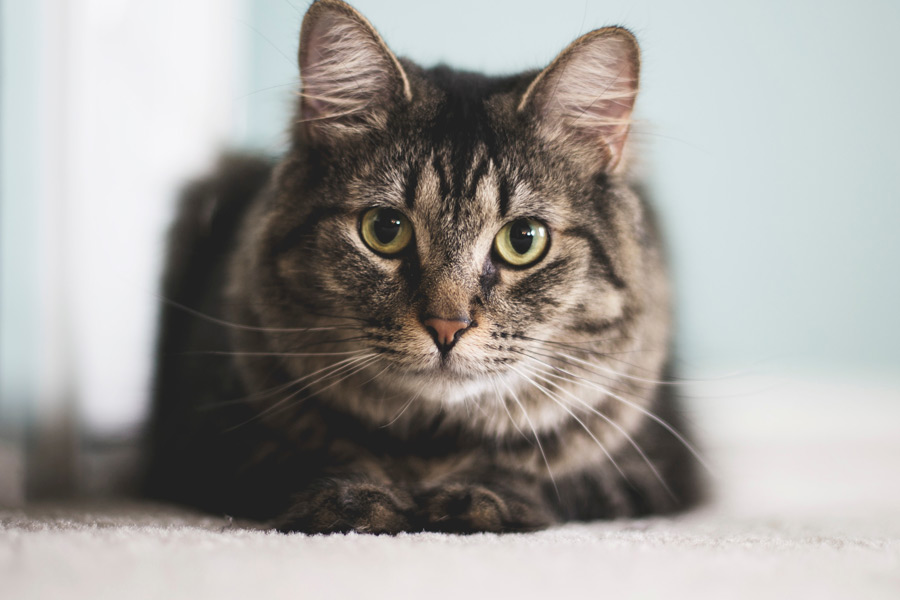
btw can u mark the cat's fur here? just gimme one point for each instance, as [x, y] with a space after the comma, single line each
[297, 380]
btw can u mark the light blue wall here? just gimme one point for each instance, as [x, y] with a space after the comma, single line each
[19, 213]
[772, 133]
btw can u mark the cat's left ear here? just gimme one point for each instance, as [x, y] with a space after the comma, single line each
[584, 99]
[350, 78]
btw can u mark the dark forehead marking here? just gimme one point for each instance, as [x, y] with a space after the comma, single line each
[443, 183]
[463, 131]
[503, 196]
[477, 175]
[412, 185]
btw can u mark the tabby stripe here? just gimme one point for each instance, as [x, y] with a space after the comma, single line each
[459, 167]
[503, 197]
[477, 176]
[412, 186]
[595, 327]
[299, 233]
[599, 253]
[540, 285]
[443, 184]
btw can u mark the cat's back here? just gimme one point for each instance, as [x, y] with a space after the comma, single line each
[190, 373]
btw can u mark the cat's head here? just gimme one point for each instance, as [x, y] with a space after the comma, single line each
[457, 231]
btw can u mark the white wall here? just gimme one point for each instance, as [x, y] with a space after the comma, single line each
[151, 99]
[108, 107]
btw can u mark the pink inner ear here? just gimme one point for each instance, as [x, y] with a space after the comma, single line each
[344, 70]
[589, 95]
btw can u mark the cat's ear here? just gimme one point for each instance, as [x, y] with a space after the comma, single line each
[583, 100]
[350, 79]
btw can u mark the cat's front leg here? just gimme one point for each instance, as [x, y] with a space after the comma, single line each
[466, 507]
[342, 505]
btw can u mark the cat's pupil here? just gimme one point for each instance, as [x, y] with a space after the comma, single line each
[521, 236]
[387, 225]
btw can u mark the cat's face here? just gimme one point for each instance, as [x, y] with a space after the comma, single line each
[504, 257]
[451, 228]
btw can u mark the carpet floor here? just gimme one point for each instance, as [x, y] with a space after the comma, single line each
[807, 504]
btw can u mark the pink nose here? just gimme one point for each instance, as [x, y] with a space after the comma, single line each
[445, 331]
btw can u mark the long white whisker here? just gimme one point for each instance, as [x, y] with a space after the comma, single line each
[284, 354]
[556, 357]
[403, 409]
[241, 326]
[613, 424]
[668, 427]
[350, 363]
[353, 370]
[550, 395]
[499, 396]
[537, 438]
[274, 390]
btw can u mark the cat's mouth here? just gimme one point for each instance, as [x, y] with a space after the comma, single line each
[449, 367]
[444, 367]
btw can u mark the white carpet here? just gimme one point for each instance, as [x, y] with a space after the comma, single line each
[808, 506]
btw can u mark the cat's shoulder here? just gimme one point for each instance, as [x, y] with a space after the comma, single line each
[210, 207]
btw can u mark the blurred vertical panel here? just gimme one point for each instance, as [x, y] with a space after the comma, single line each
[19, 46]
[108, 108]
[152, 103]
[36, 351]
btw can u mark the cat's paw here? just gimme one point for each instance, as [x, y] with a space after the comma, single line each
[344, 506]
[462, 508]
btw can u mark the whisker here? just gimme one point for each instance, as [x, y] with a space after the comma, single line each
[499, 396]
[268, 41]
[242, 326]
[293, 83]
[550, 395]
[349, 364]
[537, 438]
[353, 370]
[632, 377]
[375, 376]
[402, 410]
[556, 357]
[276, 354]
[615, 425]
[598, 353]
[274, 390]
[662, 422]
[572, 344]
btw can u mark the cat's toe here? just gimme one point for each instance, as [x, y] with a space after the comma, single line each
[341, 507]
[464, 509]
[467, 508]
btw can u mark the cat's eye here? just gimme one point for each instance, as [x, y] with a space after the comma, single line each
[521, 242]
[385, 230]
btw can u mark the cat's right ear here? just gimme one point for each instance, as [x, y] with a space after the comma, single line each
[350, 79]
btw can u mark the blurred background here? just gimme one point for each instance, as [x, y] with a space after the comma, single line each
[769, 135]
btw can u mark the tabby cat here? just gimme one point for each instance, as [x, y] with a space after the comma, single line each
[443, 309]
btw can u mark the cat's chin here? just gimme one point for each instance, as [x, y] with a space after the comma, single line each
[446, 381]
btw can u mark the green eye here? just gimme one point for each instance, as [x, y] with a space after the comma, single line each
[385, 230]
[521, 242]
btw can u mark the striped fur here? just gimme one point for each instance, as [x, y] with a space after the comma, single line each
[297, 382]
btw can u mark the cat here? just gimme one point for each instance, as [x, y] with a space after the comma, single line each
[443, 309]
